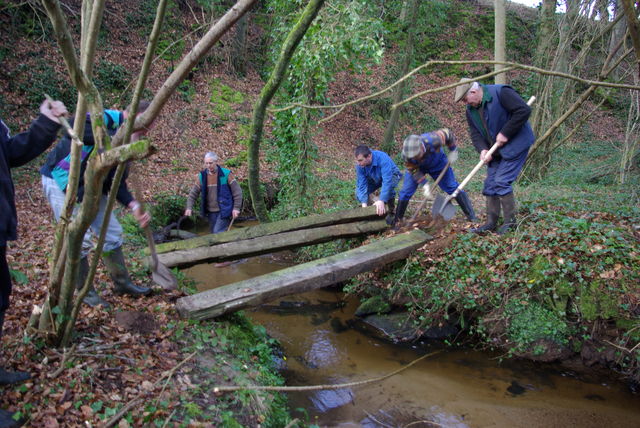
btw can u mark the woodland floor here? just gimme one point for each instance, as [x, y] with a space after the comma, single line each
[136, 334]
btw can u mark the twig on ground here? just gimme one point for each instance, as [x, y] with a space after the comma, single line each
[370, 416]
[66, 356]
[224, 388]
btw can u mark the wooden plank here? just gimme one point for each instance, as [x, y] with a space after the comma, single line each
[265, 229]
[300, 278]
[268, 244]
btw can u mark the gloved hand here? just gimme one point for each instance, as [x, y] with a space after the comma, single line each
[453, 156]
[426, 190]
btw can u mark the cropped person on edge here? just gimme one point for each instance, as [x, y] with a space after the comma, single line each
[220, 195]
[496, 113]
[424, 154]
[14, 152]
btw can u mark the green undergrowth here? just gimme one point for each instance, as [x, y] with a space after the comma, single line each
[230, 351]
[572, 264]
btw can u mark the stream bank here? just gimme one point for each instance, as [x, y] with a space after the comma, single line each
[322, 344]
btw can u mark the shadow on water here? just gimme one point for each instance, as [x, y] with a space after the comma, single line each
[455, 388]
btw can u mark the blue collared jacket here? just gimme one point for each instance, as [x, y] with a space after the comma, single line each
[381, 174]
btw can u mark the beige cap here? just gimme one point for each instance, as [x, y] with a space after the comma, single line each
[461, 90]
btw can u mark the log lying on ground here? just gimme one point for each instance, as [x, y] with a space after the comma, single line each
[264, 229]
[268, 244]
[300, 278]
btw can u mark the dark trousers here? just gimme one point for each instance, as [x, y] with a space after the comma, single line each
[501, 173]
[5, 280]
[218, 224]
[5, 285]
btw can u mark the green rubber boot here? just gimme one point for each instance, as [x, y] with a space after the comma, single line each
[122, 284]
[92, 298]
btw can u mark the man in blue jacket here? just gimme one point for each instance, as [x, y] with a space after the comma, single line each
[376, 170]
[497, 114]
[14, 152]
[424, 154]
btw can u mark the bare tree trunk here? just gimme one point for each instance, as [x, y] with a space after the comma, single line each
[499, 46]
[268, 91]
[631, 145]
[556, 96]
[634, 27]
[617, 35]
[546, 33]
[410, 9]
[238, 55]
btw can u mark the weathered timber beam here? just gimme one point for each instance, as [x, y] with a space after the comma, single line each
[300, 278]
[268, 244]
[264, 229]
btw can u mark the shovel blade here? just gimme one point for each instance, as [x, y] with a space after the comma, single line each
[442, 207]
[162, 276]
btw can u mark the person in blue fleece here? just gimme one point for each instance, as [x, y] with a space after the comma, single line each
[376, 170]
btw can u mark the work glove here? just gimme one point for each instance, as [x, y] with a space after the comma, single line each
[426, 190]
[453, 156]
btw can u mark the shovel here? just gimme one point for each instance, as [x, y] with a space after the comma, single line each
[160, 274]
[433, 186]
[442, 206]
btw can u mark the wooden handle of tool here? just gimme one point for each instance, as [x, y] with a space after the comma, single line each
[481, 162]
[133, 179]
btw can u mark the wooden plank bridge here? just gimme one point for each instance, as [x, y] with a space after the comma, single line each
[277, 236]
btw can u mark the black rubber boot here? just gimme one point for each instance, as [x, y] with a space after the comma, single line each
[122, 284]
[402, 208]
[10, 378]
[391, 212]
[92, 298]
[7, 421]
[465, 204]
[493, 213]
[508, 203]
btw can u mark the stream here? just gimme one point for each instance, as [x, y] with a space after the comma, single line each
[324, 344]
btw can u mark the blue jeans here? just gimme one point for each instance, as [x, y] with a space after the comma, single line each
[218, 224]
[113, 239]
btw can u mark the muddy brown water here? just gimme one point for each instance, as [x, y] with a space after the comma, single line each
[454, 388]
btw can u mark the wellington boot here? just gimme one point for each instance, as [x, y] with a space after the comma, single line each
[508, 203]
[391, 211]
[122, 284]
[10, 378]
[7, 421]
[493, 213]
[92, 298]
[402, 208]
[465, 204]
